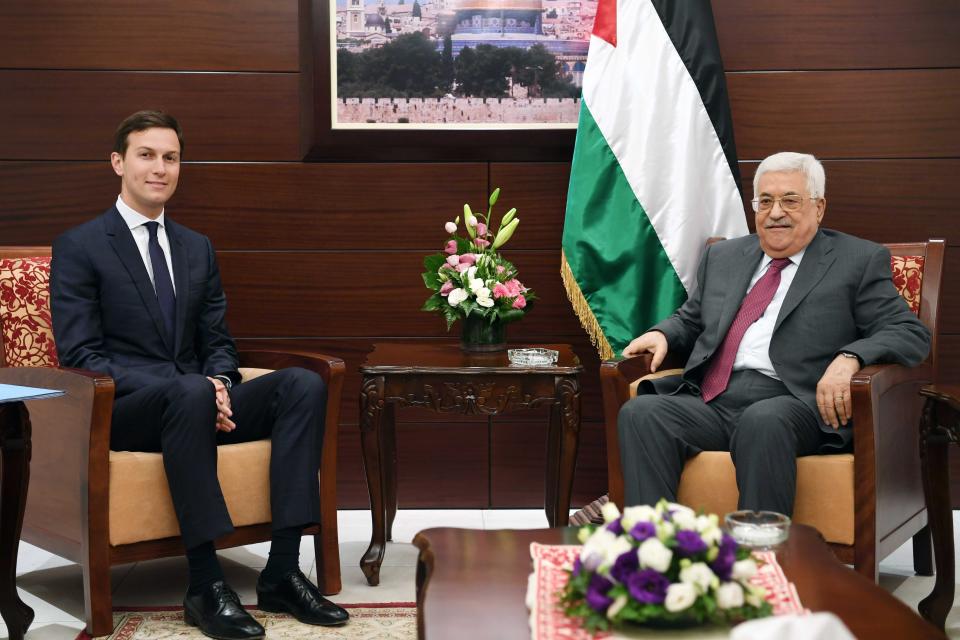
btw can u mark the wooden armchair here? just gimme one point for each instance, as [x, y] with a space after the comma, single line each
[865, 504]
[101, 508]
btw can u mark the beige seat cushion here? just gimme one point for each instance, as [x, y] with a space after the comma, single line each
[140, 504]
[824, 490]
[824, 486]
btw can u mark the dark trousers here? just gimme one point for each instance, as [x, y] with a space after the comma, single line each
[178, 419]
[756, 419]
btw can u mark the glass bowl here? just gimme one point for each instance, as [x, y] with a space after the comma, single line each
[759, 530]
[533, 357]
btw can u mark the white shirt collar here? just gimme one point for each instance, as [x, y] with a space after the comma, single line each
[134, 218]
[795, 258]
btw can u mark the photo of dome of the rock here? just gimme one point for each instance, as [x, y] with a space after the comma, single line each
[459, 64]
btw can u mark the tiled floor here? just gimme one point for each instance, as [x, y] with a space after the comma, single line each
[52, 586]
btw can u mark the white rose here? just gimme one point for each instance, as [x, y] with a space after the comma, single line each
[729, 595]
[472, 274]
[619, 603]
[654, 555]
[602, 549]
[699, 575]
[610, 512]
[457, 296]
[641, 513]
[483, 296]
[680, 596]
[707, 523]
[620, 546]
[744, 569]
[685, 520]
[712, 536]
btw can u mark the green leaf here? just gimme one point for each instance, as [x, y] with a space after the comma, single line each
[431, 279]
[510, 315]
[450, 314]
[433, 303]
[434, 261]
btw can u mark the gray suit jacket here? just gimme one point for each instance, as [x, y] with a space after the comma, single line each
[842, 299]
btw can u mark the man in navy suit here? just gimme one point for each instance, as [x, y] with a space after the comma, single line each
[137, 296]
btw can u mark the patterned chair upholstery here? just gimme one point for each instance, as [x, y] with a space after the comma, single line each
[866, 503]
[101, 508]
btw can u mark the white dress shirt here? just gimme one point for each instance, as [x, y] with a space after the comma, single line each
[754, 351]
[136, 221]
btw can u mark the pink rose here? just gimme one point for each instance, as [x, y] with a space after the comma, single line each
[462, 267]
[514, 287]
[468, 258]
[500, 291]
[453, 260]
[481, 229]
[446, 288]
[520, 302]
[481, 243]
[451, 247]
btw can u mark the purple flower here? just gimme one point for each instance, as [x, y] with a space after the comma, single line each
[625, 565]
[577, 567]
[643, 530]
[597, 593]
[615, 527]
[723, 564]
[689, 543]
[648, 586]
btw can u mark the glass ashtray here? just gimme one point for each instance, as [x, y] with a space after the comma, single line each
[759, 530]
[533, 357]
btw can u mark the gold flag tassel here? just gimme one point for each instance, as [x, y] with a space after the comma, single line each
[583, 310]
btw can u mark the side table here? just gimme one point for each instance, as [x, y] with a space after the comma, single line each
[939, 427]
[443, 378]
[15, 465]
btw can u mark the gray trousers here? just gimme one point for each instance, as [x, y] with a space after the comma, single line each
[756, 419]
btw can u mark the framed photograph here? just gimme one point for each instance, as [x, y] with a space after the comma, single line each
[447, 79]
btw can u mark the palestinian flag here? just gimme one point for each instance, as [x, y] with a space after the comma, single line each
[654, 169]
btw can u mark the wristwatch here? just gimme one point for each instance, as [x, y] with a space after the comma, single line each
[227, 382]
[850, 354]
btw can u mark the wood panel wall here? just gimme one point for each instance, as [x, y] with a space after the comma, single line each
[326, 256]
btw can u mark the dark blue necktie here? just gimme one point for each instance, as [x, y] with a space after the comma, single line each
[161, 280]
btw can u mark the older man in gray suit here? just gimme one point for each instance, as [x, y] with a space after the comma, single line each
[779, 323]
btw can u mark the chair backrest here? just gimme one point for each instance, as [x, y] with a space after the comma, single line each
[26, 330]
[917, 274]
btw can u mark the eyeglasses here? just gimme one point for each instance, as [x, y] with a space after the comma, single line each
[789, 203]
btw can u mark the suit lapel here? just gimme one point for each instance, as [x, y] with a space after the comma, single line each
[737, 290]
[816, 261]
[126, 248]
[181, 273]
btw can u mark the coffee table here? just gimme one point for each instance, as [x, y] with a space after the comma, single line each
[472, 584]
[445, 379]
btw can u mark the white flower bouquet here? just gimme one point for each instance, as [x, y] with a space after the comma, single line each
[663, 566]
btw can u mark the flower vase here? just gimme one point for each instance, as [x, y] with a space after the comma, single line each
[480, 335]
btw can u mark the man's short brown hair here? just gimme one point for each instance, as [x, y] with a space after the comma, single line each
[141, 121]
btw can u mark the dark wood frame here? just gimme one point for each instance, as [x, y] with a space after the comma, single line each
[880, 445]
[68, 503]
[323, 143]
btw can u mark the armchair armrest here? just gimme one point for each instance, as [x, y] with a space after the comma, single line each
[70, 454]
[886, 403]
[616, 375]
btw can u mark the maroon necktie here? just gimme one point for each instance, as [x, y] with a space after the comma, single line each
[753, 305]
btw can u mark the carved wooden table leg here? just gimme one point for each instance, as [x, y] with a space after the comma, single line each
[371, 418]
[15, 448]
[564, 439]
[938, 429]
[388, 452]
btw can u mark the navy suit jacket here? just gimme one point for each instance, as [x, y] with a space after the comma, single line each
[106, 317]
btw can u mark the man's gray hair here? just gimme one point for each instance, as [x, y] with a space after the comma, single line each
[805, 163]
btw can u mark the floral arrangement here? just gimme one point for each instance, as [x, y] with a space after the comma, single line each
[470, 276]
[662, 565]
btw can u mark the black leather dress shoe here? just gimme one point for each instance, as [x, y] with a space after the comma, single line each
[296, 595]
[219, 614]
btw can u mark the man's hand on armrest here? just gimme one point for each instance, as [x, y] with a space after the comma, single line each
[651, 342]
